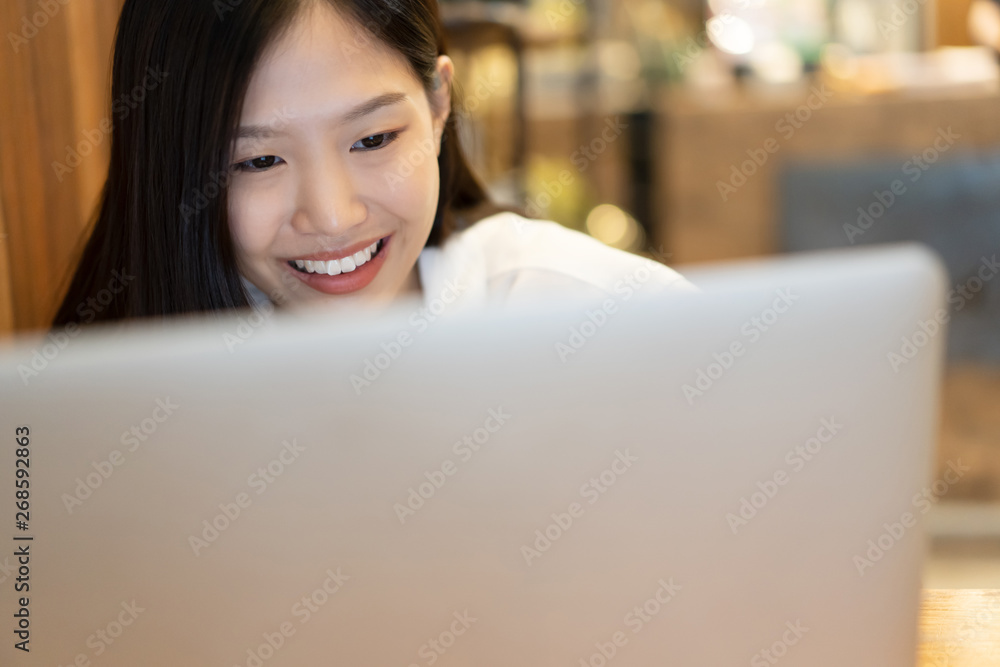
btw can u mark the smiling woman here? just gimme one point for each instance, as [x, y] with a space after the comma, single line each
[260, 149]
[311, 199]
[298, 152]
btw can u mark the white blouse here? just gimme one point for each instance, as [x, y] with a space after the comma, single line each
[506, 259]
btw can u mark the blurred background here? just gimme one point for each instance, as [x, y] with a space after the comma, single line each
[687, 130]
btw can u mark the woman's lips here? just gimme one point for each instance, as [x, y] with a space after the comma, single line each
[345, 283]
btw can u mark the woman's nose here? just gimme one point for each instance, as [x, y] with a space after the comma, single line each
[329, 201]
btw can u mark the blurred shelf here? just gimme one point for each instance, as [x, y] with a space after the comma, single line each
[951, 520]
[515, 16]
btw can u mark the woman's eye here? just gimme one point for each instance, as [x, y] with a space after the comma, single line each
[375, 141]
[258, 163]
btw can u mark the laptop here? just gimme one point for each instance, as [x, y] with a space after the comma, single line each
[736, 476]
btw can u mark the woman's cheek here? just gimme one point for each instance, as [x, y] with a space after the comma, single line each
[418, 191]
[250, 219]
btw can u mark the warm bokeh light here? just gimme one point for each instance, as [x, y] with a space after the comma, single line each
[732, 35]
[613, 226]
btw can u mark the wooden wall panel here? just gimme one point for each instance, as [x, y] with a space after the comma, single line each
[55, 71]
[88, 63]
[6, 298]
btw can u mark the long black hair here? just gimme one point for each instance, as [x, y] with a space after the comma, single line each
[161, 244]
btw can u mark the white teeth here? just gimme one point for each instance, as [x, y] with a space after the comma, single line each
[336, 267]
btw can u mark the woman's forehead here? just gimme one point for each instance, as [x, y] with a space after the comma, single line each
[325, 60]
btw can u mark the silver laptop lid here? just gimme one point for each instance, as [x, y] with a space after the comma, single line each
[708, 479]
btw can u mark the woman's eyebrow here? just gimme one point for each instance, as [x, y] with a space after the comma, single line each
[357, 113]
[373, 105]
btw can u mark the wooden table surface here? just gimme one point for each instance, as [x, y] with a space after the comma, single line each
[960, 628]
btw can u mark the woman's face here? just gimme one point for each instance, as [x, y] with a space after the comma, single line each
[335, 181]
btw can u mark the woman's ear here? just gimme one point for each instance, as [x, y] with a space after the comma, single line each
[441, 97]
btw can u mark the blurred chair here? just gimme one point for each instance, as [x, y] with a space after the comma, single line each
[954, 207]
